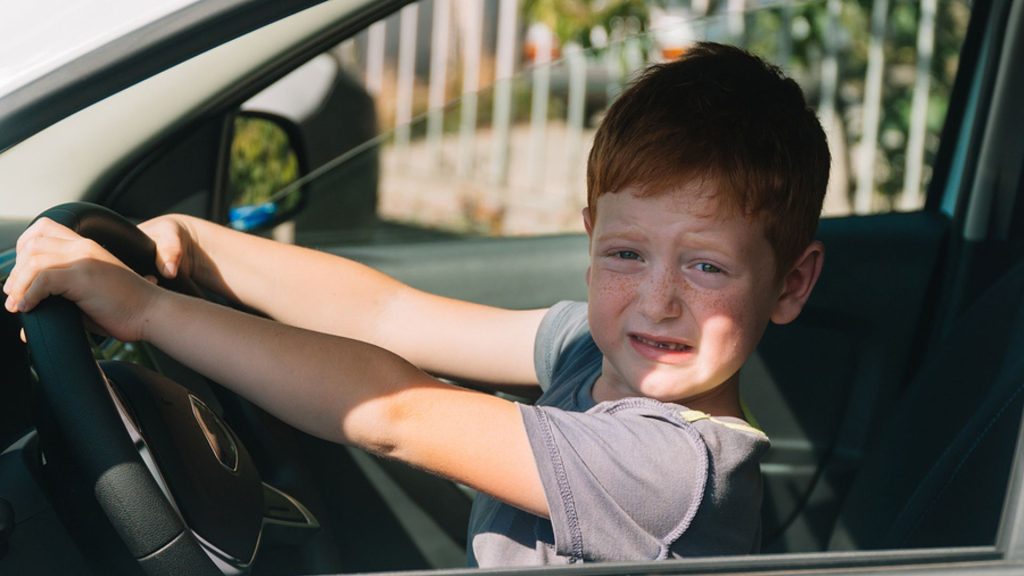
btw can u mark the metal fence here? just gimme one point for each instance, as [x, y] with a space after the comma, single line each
[491, 115]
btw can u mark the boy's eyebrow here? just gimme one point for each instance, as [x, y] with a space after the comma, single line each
[627, 233]
[630, 232]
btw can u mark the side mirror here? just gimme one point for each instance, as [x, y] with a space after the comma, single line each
[263, 172]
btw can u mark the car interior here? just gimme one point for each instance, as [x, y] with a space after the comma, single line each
[894, 403]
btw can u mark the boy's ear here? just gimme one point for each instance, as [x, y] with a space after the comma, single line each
[798, 283]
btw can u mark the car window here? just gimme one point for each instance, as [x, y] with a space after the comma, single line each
[476, 118]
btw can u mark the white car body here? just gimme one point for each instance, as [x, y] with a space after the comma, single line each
[82, 142]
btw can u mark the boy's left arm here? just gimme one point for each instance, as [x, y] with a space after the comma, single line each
[335, 388]
[348, 391]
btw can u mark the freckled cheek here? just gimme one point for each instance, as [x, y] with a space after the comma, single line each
[609, 299]
[726, 323]
[613, 290]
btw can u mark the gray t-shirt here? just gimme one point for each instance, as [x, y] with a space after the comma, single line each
[633, 479]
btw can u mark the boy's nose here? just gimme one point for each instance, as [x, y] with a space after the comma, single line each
[661, 296]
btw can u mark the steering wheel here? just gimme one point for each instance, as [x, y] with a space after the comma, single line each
[208, 515]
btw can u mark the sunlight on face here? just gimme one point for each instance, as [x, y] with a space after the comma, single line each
[680, 291]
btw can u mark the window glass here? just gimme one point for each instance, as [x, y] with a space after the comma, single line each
[463, 118]
[469, 117]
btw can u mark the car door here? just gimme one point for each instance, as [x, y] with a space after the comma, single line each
[819, 387]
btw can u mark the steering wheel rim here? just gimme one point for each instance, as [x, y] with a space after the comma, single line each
[74, 389]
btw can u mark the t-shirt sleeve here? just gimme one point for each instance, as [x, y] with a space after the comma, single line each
[561, 326]
[622, 481]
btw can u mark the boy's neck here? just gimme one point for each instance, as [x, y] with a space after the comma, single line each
[723, 400]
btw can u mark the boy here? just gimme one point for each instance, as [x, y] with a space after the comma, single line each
[705, 183]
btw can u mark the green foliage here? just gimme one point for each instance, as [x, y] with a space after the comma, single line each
[572, 20]
[851, 42]
[901, 57]
[262, 161]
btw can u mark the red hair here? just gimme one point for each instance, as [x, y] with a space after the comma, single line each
[722, 115]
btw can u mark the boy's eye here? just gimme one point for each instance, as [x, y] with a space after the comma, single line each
[627, 255]
[708, 268]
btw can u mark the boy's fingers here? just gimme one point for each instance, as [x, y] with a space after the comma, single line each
[37, 253]
[168, 255]
[39, 242]
[45, 227]
[47, 283]
[168, 245]
[47, 253]
[21, 334]
[168, 265]
[23, 275]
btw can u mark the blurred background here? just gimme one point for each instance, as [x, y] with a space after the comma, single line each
[476, 116]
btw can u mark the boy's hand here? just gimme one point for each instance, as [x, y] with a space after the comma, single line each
[177, 247]
[53, 260]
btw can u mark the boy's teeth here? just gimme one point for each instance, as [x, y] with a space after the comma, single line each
[663, 345]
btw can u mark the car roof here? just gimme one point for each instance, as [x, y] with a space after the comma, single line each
[39, 37]
[69, 68]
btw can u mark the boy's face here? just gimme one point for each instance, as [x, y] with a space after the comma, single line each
[680, 291]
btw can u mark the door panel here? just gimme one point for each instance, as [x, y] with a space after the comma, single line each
[179, 176]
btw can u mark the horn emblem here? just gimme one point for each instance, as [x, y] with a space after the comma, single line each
[218, 436]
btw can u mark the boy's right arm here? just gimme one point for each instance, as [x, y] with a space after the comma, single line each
[329, 294]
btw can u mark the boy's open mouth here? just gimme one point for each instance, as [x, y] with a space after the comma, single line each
[661, 344]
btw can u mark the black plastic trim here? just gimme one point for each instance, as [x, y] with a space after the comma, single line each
[183, 555]
[990, 29]
[979, 25]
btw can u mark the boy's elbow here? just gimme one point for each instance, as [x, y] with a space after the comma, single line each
[379, 424]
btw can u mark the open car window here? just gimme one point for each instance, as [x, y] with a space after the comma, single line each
[472, 123]
[477, 118]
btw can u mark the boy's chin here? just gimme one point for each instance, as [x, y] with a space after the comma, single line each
[665, 384]
[664, 388]
[671, 392]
